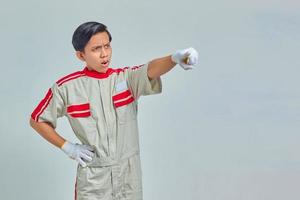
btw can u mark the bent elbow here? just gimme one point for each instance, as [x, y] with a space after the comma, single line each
[32, 122]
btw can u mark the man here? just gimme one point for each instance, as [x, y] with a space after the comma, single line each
[101, 105]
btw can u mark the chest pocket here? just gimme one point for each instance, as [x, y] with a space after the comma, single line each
[82, 121]
[79, 110]
[125, 106]
[80, 116]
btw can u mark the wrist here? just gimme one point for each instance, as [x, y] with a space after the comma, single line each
[67, 147]
[63, 144]
[174, 59]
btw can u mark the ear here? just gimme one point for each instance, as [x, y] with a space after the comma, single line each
[80, 55]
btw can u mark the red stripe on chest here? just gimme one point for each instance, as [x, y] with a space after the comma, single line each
[123, 98]
[78, 107]
[123, 103]
[121, 95]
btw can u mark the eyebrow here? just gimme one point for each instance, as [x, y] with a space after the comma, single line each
[99, 45]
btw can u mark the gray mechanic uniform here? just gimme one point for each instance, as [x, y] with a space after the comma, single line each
[102, 111]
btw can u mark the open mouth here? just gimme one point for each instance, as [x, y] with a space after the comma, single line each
[105, 63]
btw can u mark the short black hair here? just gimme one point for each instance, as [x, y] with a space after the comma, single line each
[85, 31]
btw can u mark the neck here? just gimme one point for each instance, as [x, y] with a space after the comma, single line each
[98, 70]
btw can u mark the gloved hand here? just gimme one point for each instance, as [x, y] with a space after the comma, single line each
[78, 152]
[186, 58]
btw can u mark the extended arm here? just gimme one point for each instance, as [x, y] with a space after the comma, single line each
[186, 58]
[160, 66]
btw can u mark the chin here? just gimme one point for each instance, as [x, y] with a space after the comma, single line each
[101, 68]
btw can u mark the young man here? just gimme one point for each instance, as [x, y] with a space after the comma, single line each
[101, 106]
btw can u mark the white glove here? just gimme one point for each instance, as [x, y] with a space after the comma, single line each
[186, 58]
[78, 152]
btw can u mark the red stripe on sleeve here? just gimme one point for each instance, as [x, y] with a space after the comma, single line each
[63, 79]
[42, 106]
[136, 67]
[69, 79]
[119, 70]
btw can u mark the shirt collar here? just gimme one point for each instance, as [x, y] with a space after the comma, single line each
[99, 75]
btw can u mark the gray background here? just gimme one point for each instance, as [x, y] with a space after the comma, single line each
[227, 130]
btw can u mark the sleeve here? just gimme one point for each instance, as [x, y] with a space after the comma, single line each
[50, 107]
[139, 82]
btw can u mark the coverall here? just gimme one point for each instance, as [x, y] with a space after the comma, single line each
[102, 111]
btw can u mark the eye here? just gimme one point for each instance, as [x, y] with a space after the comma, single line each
[95, 49]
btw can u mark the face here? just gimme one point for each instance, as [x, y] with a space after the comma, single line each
[97, 52]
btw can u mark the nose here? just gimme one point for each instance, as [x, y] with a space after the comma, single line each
[103, 53]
